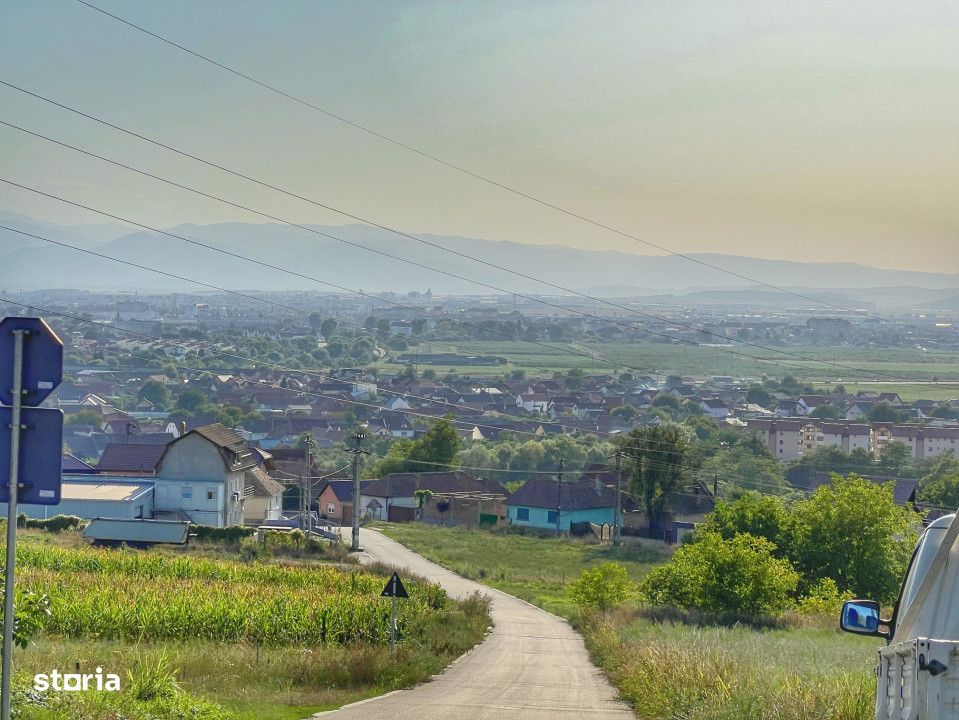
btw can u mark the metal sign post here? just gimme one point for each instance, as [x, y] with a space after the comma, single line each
[29, 372]
[8, 578]
[394, 589]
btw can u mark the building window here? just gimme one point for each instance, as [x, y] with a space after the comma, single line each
[330, 508]
[552, 517]
[210, 494]
[522, 514]
[186, 493]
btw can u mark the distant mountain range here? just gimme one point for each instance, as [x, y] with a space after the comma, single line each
[26, 263]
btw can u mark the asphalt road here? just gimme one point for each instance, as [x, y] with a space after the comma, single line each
[533, 666]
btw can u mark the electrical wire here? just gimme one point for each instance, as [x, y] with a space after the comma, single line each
[471, 173]
[547, 303]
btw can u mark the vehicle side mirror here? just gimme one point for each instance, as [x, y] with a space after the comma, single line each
[861, 617]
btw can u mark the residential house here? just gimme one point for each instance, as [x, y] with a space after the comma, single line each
[393, 497]
[395, 425]
[859, 410]
[135, 459]
[551, 505]
[335, 501]
[715, 408]
[264, 497]
[533, 402]
[203, 476]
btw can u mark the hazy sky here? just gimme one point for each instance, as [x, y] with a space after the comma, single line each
[799, 130]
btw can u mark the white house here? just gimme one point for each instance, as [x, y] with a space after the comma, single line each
[203, 476]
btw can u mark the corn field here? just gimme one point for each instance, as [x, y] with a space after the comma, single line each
[130, 595]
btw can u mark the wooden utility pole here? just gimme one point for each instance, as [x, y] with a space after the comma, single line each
[619, 497]
[559, 498]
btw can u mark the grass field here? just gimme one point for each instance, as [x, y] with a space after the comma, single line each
[535, 569]
[670, 670]
[239, 640]
[704, 361]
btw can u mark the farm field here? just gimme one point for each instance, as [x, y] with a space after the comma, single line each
[289, 639]
[703, 361]
[667, 669]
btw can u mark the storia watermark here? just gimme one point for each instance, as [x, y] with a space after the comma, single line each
[76, 682]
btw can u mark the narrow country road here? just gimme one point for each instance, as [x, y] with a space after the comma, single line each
[533, 666]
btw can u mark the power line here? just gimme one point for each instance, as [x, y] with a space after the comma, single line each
[541, 301]
[200, 371]
[387, 228]
[645, 446]
[313, 278]
[471, 173]
[321, 376]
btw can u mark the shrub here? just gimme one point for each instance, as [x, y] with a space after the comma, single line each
[231, 535]
[58, 523]
[824, 599]
[724, 577]
[31, 612]
[603, 587]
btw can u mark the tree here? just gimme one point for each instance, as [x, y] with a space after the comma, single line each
[840, 389]
[759, 395]
[894, 455]
[626, 413]
[656, 466]
[316, 321]
[884, 412]
[603, 587]
[433, 452]
[754, 514]
[943, 491]
[155, 392]
[328, 327]
[827, 412]
[853, 532]
[191, 400]
[665, 400]
[85, 417]
[439, 445]
[739, 576]
[574, 379]
[946, 412]
[940, 483]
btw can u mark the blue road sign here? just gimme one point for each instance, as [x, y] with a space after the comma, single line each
[42, 360]
[41, 454]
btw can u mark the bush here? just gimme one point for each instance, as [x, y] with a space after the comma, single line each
[738, 577]
[230, 535]
[824, 599]
[58, 523]
[603, 587]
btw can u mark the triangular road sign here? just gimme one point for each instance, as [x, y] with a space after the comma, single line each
[394, 588]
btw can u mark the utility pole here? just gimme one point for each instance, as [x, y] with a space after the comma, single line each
[559, 498]
[357, 450]
[619, 496]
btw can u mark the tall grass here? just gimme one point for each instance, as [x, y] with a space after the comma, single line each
[673, 671]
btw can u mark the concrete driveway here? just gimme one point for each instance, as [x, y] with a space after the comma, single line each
[533, 666]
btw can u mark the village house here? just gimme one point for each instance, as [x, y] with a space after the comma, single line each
[203, 476]
[394, 497]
